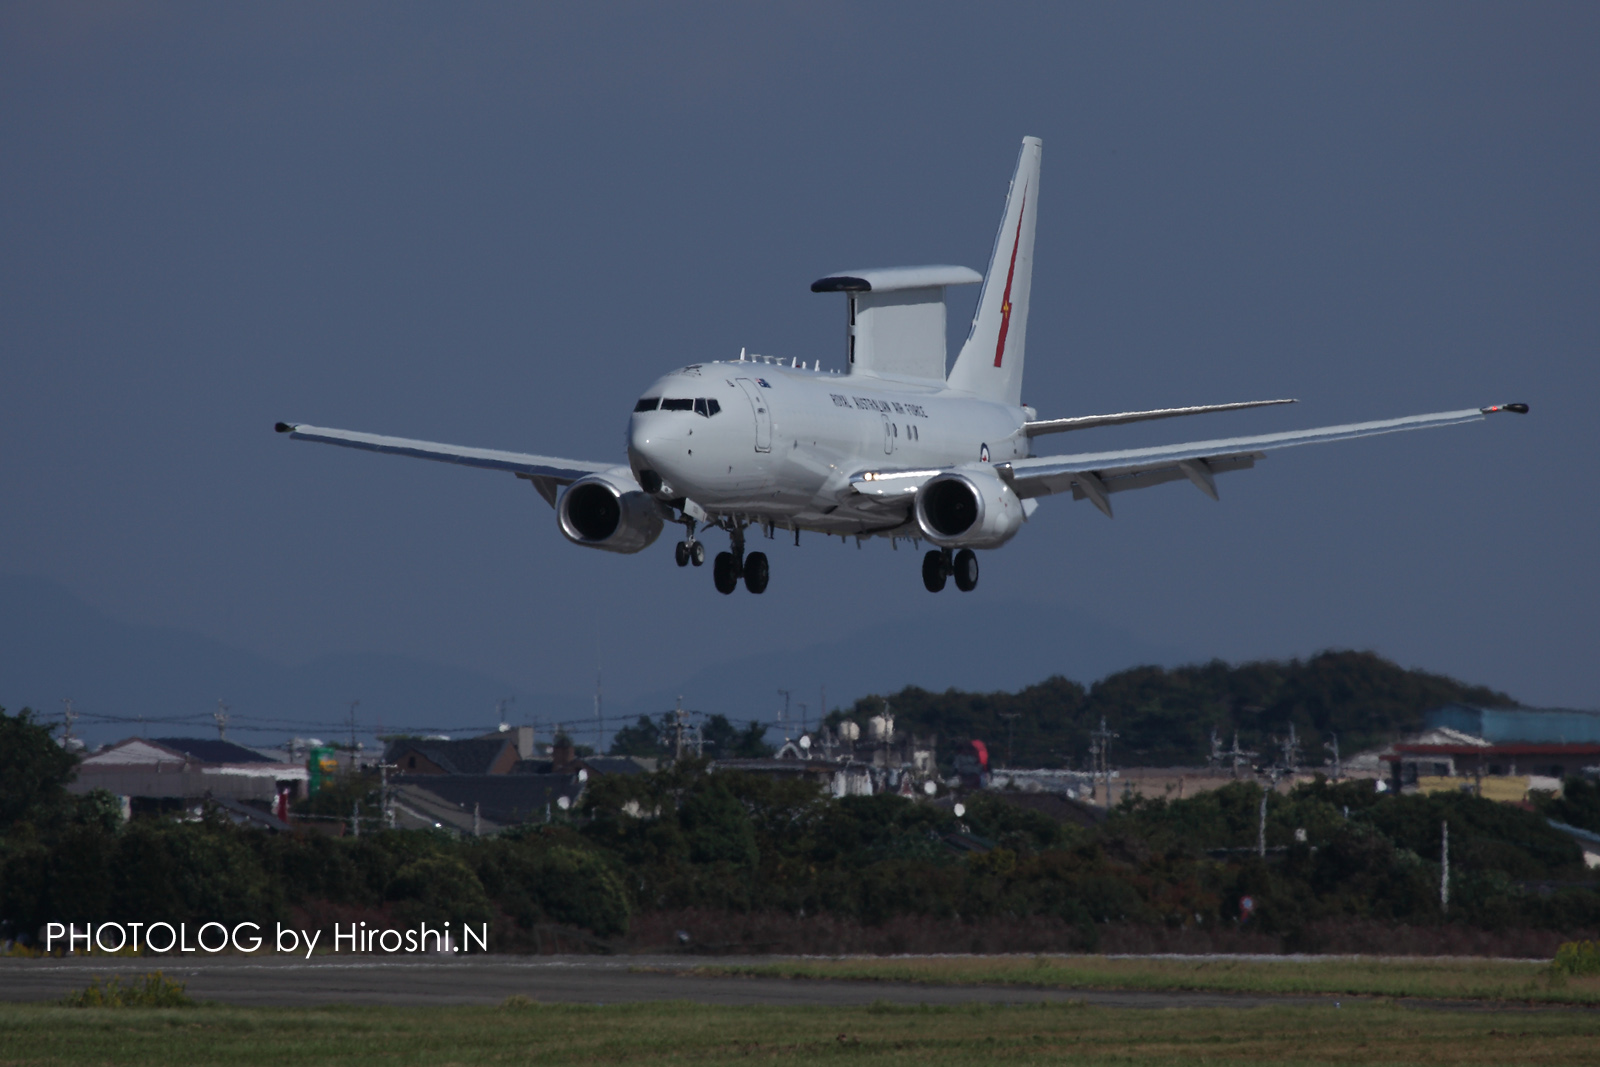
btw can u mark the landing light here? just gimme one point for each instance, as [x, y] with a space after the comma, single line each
[883, 476]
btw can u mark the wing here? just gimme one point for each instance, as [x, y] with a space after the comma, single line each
[1086, 422]
[545, 472]
[1096, 475]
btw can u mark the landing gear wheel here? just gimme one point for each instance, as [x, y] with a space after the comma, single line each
[681, 553]
[755, 572]
[725, 573]
[697, 554]
[966, 567]
[933, 571]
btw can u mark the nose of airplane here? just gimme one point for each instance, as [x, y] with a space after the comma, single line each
[657, 447]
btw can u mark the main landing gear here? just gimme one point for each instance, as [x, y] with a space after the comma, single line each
[729, 567]
[939, 564]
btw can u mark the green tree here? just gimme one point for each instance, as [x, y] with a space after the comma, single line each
[641, 739]
[34, 770]
[724, 740]
[436, 889]
[1578, 805]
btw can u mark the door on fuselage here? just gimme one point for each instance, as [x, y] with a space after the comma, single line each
[888, 437]
[758, 407]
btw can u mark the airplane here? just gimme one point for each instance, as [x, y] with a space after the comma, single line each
[888, 445]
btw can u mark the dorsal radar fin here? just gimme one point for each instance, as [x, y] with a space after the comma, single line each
[990, 363]
[896, 317]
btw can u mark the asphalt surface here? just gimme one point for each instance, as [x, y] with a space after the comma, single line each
[286, 982]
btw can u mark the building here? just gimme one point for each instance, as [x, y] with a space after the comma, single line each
[480, 804]
[166, 773]
[1500, 753]
[478, 755]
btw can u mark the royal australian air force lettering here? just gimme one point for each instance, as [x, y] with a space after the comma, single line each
[887, 442]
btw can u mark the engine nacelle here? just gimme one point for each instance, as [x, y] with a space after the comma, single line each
[609, 512]
[968, 508]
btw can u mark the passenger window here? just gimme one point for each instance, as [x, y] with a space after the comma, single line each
[712, 407]
[677, 404]
[647, 404]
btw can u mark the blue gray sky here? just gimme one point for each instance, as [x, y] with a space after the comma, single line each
[495, 224]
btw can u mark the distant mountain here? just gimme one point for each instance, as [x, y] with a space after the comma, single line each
[1003, 646]
[53, 645]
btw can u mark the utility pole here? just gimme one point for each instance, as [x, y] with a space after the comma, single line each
[1102, 748]
[383, 794]
[1239, 755]
[784, 714]
[70, 716]
[599, 712]
[680, 719]
[353, 704]
[1261, 825]
[1290, 749]
[1444, 866]
[221, 715]
[803, 717]
[1338, 768]
[1011, 731]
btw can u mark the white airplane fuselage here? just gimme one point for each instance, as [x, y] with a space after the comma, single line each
[785, 442]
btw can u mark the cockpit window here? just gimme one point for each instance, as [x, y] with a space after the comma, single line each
[700, 405]
[647, 404]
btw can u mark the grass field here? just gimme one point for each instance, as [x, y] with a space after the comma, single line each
[1368, 1033]
[1466, 978]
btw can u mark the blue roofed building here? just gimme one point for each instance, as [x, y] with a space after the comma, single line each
[1546, 726]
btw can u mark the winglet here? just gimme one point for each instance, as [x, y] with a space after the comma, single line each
[283, 427]
[1520, 409]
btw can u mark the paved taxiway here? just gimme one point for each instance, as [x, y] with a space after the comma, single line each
[285, 982]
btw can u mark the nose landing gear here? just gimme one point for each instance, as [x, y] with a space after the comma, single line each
[939, 564]
[689, 550]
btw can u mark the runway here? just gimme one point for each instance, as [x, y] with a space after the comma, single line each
[287, 982]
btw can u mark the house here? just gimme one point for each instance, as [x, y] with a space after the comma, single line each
[162, 773]
[481, 803]
[478, 755]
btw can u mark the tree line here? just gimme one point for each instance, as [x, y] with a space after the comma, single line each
[1164, 717]
[730, 843]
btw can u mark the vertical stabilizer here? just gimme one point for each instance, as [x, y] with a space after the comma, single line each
[990, 363]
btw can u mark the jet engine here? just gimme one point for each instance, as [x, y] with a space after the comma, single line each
[968, 508]
[609, 512]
